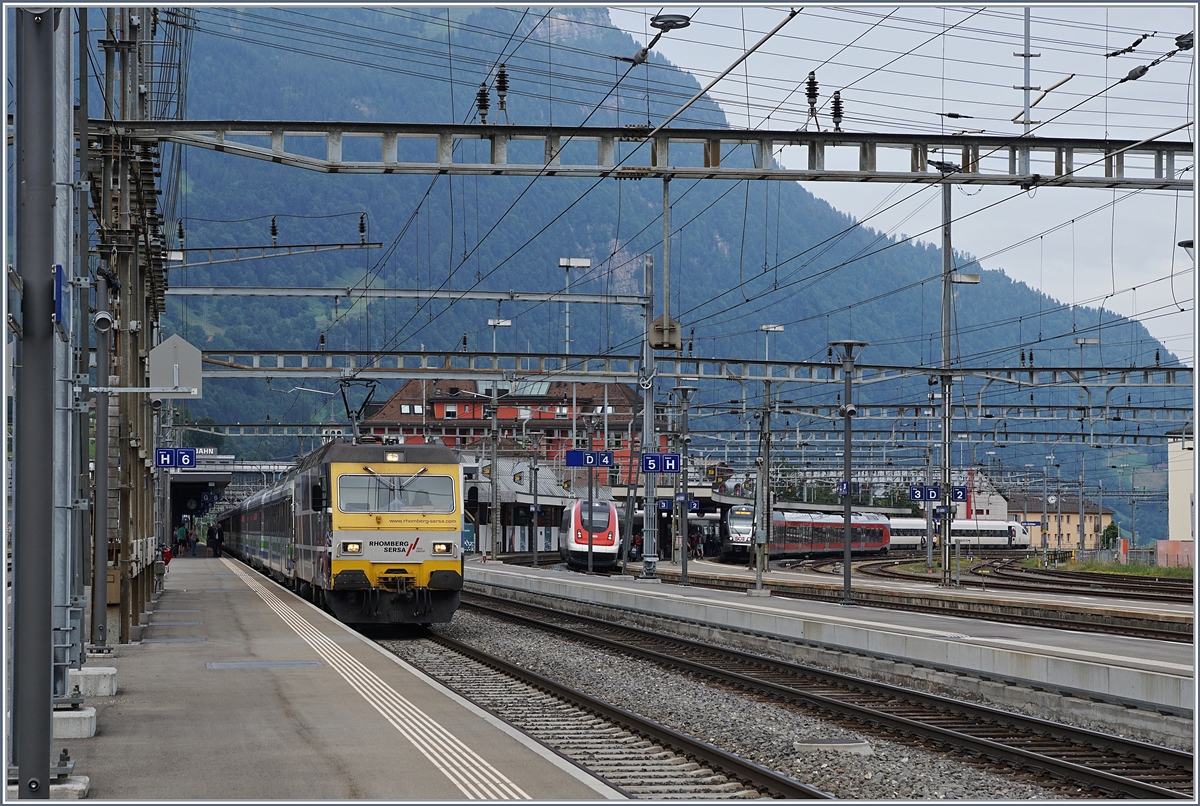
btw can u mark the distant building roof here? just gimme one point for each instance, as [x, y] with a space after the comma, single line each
[1032, 502]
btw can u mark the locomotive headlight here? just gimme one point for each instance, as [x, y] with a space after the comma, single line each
[391, 457]
[352, 548]
[443, 548]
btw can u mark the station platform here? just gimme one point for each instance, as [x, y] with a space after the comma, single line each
[1134, 681]
[240, 690]
[996, 600]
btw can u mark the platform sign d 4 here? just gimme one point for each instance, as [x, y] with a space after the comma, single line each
[589, 459]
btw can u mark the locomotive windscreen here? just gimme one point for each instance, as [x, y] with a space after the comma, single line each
[599, 520]
[741, 521]
[380, 493]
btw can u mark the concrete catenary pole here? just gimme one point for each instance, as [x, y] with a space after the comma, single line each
[590, 527]
[947, 272]
[494, 509]
[762, 492]
[537, 536]
[847, 529]
[649, 443]
[66, 606]
[33, 482]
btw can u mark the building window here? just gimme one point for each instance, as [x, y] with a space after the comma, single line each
[418, 408]
[450, 411]
[466, 412]
[405, 408]
[561, 412]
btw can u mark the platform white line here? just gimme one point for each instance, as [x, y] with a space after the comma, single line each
[466, 769]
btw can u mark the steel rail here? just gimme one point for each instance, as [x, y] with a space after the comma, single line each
[1059, 768]
[740, 768]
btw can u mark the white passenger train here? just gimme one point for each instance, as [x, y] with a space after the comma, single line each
[908, 534]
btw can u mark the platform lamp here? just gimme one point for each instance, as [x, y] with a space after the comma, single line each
[769, 329]
[848, 348]
[1189, 247]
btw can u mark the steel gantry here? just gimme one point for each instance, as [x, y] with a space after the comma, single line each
[688, 153]
[608, 368]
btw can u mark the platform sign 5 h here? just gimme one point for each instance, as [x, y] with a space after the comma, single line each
[661, 463]
[184, 458]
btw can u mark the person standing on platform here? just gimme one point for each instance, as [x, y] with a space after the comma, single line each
[192, 539]
[218, 538]
[210, 539]
[180, 539]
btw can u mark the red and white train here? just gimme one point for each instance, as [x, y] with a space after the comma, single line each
[602, 529]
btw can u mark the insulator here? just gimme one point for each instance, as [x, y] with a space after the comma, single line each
[1022, 358]
[274, 232]
[1156, 352]
[837, 110]
[502, 86]
[810, 90]
[321, 342]
[1031, 358]
[362, 228]
[829, 353]
[464, 342]
[179, 231]
[482, 104]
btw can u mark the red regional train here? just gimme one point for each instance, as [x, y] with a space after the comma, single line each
[803, 534]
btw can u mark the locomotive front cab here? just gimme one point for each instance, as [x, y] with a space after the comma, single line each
[396, 553]
[738, 533]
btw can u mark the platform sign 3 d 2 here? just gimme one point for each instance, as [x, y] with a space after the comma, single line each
[184, 458]
[589, 458]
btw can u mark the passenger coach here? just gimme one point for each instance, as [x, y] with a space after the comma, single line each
[371, 532]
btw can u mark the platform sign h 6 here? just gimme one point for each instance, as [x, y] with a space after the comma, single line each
[175, 457]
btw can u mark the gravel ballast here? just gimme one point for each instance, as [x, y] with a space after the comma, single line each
[738, 723]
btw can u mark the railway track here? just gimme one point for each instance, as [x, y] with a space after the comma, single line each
[1138, 629]
[1099, 762]
[1001, 574]
[643, 759]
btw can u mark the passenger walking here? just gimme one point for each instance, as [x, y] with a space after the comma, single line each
[180, 539]
[192, 540]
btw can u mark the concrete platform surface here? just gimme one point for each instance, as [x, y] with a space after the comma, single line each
[241, 690]
[1130, 671]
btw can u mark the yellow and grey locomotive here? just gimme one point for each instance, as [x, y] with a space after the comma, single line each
[372, 532]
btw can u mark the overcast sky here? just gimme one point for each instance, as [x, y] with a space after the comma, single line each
[896, 73]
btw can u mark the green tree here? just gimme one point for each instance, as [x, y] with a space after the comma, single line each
[1112, 534]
